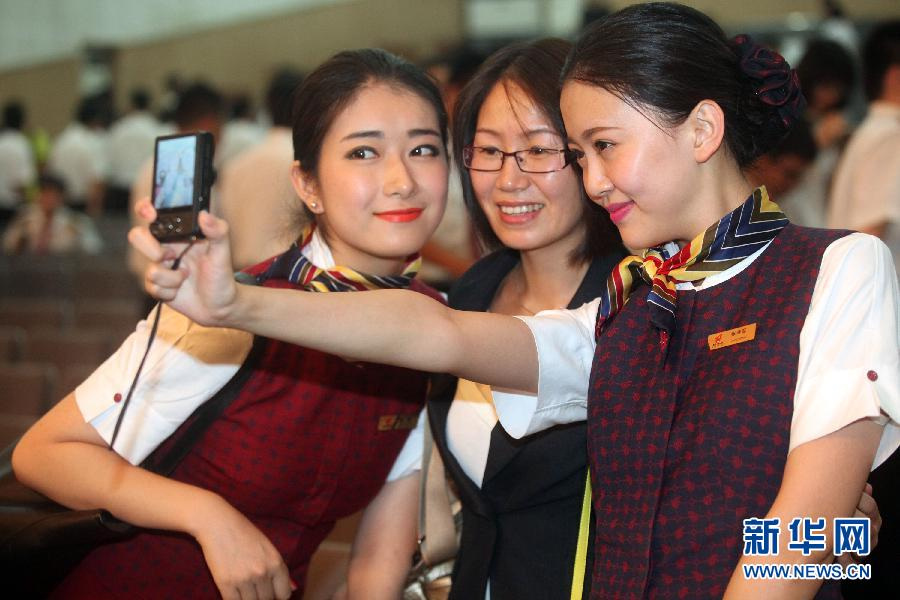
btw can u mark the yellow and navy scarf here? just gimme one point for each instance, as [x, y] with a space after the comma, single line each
[736, 236]
[298, 269]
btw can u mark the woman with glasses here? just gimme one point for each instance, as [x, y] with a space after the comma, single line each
[521, 499]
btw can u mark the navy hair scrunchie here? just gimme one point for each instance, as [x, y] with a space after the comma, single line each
[774, 81]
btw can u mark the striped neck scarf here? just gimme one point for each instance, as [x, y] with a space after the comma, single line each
[298, 269]
[736, 236]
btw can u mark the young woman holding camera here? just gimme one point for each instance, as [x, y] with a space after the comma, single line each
[309, 437]
[756, 377]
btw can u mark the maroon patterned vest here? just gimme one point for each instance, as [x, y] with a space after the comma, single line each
[686, 442]
[308, 439]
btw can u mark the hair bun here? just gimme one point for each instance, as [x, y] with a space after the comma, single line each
[774, 82]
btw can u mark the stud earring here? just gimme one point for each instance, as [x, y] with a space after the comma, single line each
[313, 204]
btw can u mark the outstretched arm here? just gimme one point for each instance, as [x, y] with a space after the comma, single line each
[65, 458]
[395, 327]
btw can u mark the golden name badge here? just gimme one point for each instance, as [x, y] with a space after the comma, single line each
[738, 335]
[393, 422]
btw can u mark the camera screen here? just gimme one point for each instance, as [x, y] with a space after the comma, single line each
[173, 181]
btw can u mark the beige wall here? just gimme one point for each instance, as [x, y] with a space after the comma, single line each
[49, 92]
[241, 58]
[735, 12]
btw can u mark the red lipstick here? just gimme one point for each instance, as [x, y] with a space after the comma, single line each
[400, 216]
[618, 210]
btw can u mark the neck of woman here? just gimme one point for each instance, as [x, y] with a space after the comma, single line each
[545, 279]
[719, 191]
[346, 255]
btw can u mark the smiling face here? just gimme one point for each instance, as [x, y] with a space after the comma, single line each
[641, 172]
[381, 182]
[526, 211]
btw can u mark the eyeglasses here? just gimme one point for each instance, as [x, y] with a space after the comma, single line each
[531, 160]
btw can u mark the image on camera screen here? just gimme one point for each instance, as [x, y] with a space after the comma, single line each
[174, 178]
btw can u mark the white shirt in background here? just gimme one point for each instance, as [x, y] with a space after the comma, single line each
[866, 187]
[805, 204]
[17, 168]
[131, 143]
[79, 156]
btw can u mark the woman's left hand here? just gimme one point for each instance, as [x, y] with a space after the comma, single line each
[242, 560]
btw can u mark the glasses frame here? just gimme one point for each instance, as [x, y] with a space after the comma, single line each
[569, 157]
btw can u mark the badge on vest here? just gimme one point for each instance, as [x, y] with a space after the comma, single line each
[744, 333]
[392, 422]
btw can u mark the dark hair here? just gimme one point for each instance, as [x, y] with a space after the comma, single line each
[464, 63]
[279, 94]
[881, 51]
[335, 84]
[96, 110]
[13, 115]
[195, 102]
[664, 58]
[89, 111]
[799, 141]
[239, 107]
[140, 98]
[51, 180]
[534, 67]
[827, 62]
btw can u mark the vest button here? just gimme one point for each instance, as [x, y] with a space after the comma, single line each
[872, 375]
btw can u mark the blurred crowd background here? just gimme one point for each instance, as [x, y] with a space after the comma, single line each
[87, 85]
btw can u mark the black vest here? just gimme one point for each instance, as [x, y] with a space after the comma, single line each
[520, 529]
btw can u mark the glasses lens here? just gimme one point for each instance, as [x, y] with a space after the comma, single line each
[483, 159]
[540, 160]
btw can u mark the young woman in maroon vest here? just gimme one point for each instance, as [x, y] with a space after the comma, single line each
[753, 372]
[521, 499]
[308, 437]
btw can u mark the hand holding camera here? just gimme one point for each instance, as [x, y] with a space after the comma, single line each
[182, 178]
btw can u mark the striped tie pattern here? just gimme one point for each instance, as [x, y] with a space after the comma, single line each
[298, 269]
[736, 236]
